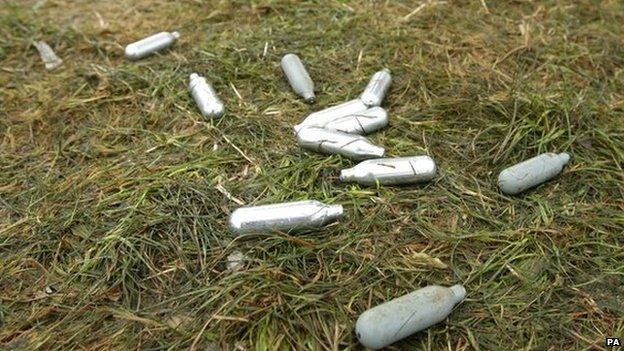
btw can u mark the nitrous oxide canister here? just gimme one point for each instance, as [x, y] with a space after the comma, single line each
[396, 319]
[327, 115]
[364, 122]
[287, 217]
[377, 87]
[206, 98]
[150, 45]
[391, 171]
[298, 77]
[327, 141]
[532, 172]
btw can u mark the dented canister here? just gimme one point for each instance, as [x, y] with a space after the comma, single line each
[287, 217]
[205, 96]
[355, 147]
[327, 115]
[375, 91]
[396, 319]
[298, 77]
[364, 122]
[391, 171]
[150, 45]
[532, 172]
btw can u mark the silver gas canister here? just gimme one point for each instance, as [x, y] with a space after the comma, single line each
[365, 122]
[532, 172]
[355, 147]
[389, 171]
[327, 115]
[206, 98]
[377, 87]
[150, 45]
[287, 217]
[396, 319]
[298, 77]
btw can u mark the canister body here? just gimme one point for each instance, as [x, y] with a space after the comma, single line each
[365, 122]
[288, 217]
[355, 147]
[532, 172]
[205, 97]
[327, 115]
[298, 77]
[396, 319]
[391, 171]
[375, 91]
[150, 45]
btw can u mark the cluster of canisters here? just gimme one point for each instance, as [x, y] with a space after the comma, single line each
[339, 130]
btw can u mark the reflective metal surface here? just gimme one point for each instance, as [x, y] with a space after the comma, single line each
[150, 45]
[377, 87]
[365, 122]
[206, 98]
[532, 172]
[355, 147]
[287, 217]
[327, 115]
[400, 170]
[298, 77]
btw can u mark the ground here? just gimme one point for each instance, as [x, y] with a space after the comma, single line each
[115, 191]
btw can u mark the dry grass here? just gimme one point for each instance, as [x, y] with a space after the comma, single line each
[111, 184]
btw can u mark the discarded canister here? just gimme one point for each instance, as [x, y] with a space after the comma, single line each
[327, 115]
[532, 172]
[150, 45]
[363, 122]
[49, 58]
[355, 147]
[396, 319]
[399, 170]
[288, 217]
[206, 98]
[298, 77]
[377, 87]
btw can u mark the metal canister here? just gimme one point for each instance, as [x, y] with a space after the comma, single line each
[205, 96]
[377, 87]
[150, 45]
[532, 172]
[327, 115]
[298, 77]
[355, 147]
[391, 171]
[371, 120]
[399, 318]
[287, 217]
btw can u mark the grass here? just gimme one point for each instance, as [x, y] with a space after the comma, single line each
[113, 187]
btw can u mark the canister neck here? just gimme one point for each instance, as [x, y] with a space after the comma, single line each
[564, 158]
[334, 211]
[347, 174]
[459, 292]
